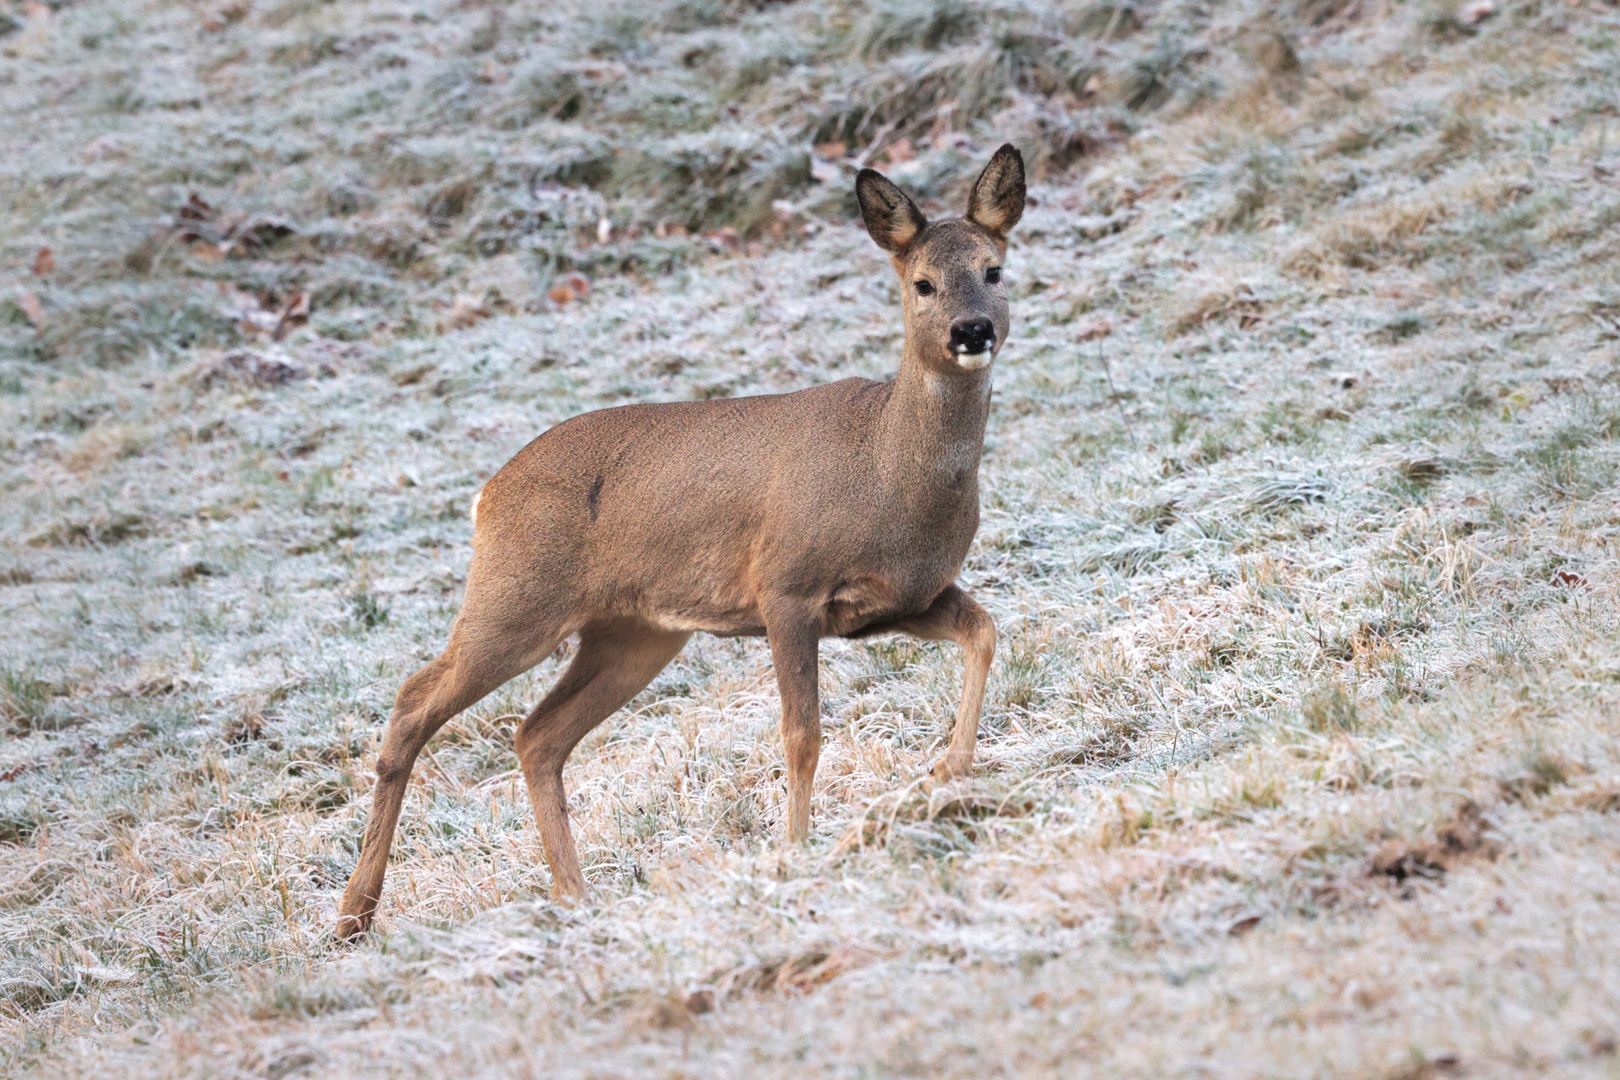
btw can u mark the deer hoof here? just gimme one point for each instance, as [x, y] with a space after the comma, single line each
[573, 896]
[947, 769]
[351, 928]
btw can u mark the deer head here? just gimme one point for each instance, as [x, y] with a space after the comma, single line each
[950, 270]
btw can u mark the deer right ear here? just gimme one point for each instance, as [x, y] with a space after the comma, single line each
[893, 220]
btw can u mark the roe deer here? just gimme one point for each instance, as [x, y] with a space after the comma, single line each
[841, 510]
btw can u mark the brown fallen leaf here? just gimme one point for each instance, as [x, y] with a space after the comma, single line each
[294, 314]
[234, 234]
[195, 209]
[466, 311]
[1095, 330]
[1243, 926]
[725, 238]
[251, 316]
[1422, 469]
[31, 307]
[1569, 580]
[223, 16]
[1430, 858]
[832, 151]
[413, 376]
[260, 369]
[44, 262]
[569, 289]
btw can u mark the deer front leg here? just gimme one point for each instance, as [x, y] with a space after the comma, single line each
[795, 637]
[956, 616]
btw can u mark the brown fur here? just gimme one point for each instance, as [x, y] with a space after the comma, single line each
[841, 510]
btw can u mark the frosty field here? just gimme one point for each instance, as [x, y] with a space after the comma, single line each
[1300, 752]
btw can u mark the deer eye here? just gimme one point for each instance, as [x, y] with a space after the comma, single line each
[925, 288]
[993, 275]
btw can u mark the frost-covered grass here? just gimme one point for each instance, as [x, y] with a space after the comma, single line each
[1299, 514]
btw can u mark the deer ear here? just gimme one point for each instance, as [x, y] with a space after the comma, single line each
[997, 201]
[893, 220]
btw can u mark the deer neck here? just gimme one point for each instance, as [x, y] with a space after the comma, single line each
[932, 431]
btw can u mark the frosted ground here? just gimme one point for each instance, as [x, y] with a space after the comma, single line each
[1299, 527]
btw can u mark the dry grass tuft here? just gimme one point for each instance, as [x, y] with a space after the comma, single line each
[925, 816]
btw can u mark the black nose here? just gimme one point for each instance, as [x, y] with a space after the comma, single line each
[972, 335]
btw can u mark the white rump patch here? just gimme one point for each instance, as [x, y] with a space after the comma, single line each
[472, 511]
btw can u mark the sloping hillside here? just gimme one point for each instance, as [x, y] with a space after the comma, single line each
[1299, 520]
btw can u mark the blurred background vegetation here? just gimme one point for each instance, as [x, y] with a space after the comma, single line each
[360, 155]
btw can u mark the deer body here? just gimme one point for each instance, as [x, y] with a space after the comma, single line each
[596, 517]
[840, 510]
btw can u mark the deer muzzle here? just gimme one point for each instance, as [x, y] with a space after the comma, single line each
[971, 342]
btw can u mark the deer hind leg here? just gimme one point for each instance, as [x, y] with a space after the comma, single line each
[466, 671]
[956, 616]
[614, 663]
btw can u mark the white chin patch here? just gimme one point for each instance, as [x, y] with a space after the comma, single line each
[974, 361]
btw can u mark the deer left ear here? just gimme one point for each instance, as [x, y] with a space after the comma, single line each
[997, 201]
[892, 219]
